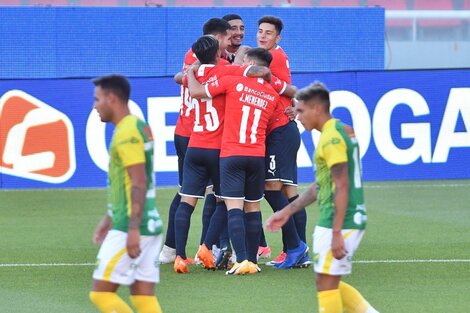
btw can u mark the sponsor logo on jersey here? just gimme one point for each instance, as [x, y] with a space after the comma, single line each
[36, 140]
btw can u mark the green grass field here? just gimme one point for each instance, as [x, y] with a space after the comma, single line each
[46, 255]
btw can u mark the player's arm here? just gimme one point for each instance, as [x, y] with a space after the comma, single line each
[339, 173]
[102, 229]
[178, 78]
[196, 89]
[259, 71]
[278, 219]
[138, 179]
[240, 54]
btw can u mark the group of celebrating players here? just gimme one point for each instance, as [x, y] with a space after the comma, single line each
[236, 134]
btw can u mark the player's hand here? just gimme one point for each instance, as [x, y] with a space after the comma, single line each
[133, 243]
[290, 112]
[101, 231]
[277, 220]
[337, 246]
[195, 66]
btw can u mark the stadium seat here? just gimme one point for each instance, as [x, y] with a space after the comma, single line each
[295, 3]
[340, 3]
[393, 5]
[146, 3]
[10, 2]
[436, 5]
[194, 3]
[49, 2]
[99, 3]
[243, 3]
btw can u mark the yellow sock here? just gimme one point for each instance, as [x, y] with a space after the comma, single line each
[353, 301]
[329, 301]
[109, 302]
[146, 304]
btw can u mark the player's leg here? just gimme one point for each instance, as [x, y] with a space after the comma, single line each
[112, 270]
[147, 275]
[168, 254]
[232, 185]
[195, 180]
[207, 212]
[254, 189]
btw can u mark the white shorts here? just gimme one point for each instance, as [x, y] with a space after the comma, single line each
[113, 264]
[324, 262]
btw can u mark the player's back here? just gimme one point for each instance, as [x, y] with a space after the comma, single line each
[280, 68]
[250, 102]
[209, 113]
[185, 123]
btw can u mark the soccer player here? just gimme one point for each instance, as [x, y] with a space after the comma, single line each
[237, 28]
[250, 102]
[130, 232]
[184, 127]
[202, 157]
[282, 144]
[342, 211]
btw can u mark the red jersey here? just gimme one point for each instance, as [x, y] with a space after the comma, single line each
[280, 68]
[279, 117]
[250, 102]
[184, 125]
[209, 112]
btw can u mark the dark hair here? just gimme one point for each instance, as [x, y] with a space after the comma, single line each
[206, 48]
[316, 90]
[272, 20]
[117, 84]
[260, 55]
[215, 26]
[230, 17]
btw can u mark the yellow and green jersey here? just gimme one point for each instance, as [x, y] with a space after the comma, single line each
[338, 144]
[132, 143]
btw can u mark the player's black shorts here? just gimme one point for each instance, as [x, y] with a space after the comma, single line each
[200, 166]
[181, 145]
[242, 177]
[282, 145]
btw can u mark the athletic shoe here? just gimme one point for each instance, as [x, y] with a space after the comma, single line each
[167, 255]
[223, 261]
[277, 260]
[255, 268]
[206, 257]
[264, 252]
[181, 265]
[293, 256]
[240, 268]
[304, 262]
[196, 259]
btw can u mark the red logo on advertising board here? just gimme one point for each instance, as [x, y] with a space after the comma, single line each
[36, 140]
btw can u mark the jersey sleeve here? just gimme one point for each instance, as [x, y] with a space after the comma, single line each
[335, 150]
[278, 84]
[130, 147]
[218, 86]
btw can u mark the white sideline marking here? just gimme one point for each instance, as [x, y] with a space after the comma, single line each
[358, 262]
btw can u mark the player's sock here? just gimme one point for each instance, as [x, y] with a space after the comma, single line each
[253, 227]
[224, 239]
[353, 301]
[329, 301]
[108, 302]
[262, 239]
[207, 211]
[278, 201]
[182, 223]
[170, 231]
[217, 224]
[146, 304]
[236, 230]
[300, 220]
